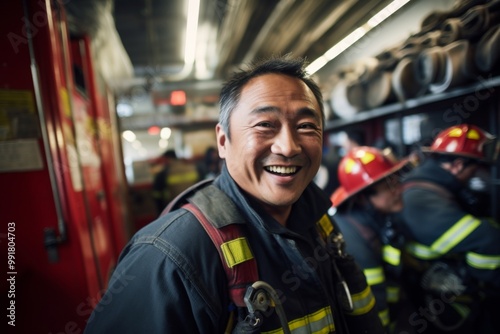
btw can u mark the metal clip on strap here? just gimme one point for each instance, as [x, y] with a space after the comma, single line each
[259, 297]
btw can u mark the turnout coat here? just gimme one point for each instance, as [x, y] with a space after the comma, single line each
[170, 279]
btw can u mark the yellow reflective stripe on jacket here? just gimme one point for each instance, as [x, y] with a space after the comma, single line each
[325, 225]
[461, 309]
[320, 321]
[392, 293]
[236, 251]
[458, 232]
[391, 255]
[182, 178]
[480, 261]
[421, 251]
[374, 275]
[384, 317]
[363, 302]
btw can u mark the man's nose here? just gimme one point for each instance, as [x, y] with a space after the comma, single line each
[286, 143]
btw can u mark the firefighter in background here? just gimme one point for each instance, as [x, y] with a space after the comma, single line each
[176, 176]
[210, 166]
[456, 278]
[369, 193]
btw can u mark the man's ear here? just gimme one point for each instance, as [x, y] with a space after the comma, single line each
[221, 141]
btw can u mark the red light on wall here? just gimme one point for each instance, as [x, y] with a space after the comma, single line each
[161, 101]
[154, 130]
[178, 98]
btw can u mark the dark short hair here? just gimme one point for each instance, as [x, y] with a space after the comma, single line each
[231, 90]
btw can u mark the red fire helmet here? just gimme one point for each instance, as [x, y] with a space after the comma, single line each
[360, 168]
[465, 140]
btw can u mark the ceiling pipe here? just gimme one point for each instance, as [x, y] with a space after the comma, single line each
[152, 36]
[233, 29]
[315, 34]
[193, 11]
[290, 28]
[281, 9]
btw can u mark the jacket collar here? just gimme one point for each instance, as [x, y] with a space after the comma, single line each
[309, 208]
[430, 170]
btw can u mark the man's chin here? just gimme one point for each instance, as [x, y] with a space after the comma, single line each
[282, 199]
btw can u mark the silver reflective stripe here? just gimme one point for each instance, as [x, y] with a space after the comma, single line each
[458, 232]
[391, 255]
[384, 317]
[421, 251]
[393, 294]
[480, 261]
[363, 302]
[374, 275]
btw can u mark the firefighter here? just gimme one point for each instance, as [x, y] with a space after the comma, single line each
[369, 195]
[456, 277]
[171, 277]
[176, 176]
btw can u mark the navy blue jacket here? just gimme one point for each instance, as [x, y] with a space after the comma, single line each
[169, 278]
[367, 240]
[441, 224]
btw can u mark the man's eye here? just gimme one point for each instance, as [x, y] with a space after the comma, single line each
[264, 124]
[308, 126]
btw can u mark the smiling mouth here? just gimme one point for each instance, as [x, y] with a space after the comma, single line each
[282, 170]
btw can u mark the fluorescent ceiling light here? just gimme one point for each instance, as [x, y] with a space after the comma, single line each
[191, 31]
[193, 10]
[356, 35]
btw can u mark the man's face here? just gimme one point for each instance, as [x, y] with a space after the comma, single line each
[387, 197]
[462, 171]
[467, 172]
[276, 140]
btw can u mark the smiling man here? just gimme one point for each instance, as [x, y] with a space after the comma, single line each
[272, 146]
[269, 135]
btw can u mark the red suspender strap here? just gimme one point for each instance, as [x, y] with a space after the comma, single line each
[239, 275]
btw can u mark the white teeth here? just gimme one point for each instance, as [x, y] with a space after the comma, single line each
[282, 170]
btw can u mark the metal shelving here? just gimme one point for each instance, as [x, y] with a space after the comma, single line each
[481, 85]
